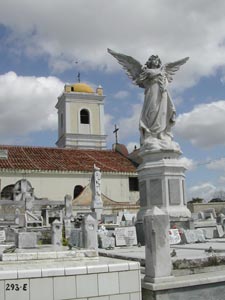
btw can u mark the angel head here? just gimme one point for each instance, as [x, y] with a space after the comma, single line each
[154, 62]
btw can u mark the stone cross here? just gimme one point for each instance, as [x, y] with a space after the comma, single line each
[116, 133]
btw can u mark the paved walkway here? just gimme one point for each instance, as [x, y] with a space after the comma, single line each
[187, 251]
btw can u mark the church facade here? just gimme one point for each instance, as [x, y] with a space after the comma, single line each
[67, 169]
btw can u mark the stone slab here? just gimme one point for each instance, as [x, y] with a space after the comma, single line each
[26, 240]
[125, 236]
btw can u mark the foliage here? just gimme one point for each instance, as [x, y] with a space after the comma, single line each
[196, 200]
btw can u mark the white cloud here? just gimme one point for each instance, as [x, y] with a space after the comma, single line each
[109, 125]
[205, 191]
[121, 95]
[218, 164]
[27, 105]
[222, 180]
[129, 125]
[89, 27]
[204, 125]
[189, 163]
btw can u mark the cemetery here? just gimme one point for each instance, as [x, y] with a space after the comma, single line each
[150, 249]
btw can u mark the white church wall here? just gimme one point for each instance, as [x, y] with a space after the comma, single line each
[55, 186]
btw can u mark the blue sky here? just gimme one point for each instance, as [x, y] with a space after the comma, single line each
[40, 43]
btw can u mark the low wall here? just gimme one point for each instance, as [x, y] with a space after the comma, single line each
[210, 285]
[102, 278]
[197, 207]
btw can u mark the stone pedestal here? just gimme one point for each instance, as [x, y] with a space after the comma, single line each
[57, 233]
[162, 184]
[89, 232]
[158, 264]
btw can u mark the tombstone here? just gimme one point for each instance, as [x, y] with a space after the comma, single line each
[105, 241]
[68, 207]
[26, 240]
[200, 235]
[190, 237]
[17, 216]
[2, 236]
[128, 219]
[96, 203]
[89, 231]
[158, 265]
[22, 189]
[126, 236]
[10, 234]
[219, 232]
[201, 215]
[76, 238]
[29, 203]
[109, 219]
[193, 236]
[210, 213]
[208, 232]
[174, 237]
[57, 233]
[68, 227]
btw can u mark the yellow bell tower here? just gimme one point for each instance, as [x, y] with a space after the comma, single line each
[81, 117]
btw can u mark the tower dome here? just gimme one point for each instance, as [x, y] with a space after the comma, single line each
[81, 87]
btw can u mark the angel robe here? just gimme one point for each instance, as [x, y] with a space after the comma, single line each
[158, 109]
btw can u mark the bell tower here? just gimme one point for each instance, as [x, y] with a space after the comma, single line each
[81, 117]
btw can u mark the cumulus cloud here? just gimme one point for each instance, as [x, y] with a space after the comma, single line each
[204, 125]
[129, 125]
[204, 190]
[90, 27]
[27, 105]
[189, 163]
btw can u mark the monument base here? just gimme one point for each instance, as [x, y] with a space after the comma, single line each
[162, 184]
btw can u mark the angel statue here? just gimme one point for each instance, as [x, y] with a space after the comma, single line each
[158, 112]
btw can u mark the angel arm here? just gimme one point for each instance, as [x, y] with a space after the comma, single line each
[171, 68]
[132, 67]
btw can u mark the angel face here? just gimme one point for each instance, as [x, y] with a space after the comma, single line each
[153, 62]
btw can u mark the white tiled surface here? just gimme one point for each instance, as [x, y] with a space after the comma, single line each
[108, 283]
[48, 254]
[41, 288]
[2, 289]
[97, 279]
[87, 285]
[129, 281]
[120, 297]
[135, 296]
[64, 287]
[17, 289]
[99, 298]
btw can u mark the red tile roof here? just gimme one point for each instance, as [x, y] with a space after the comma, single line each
[67, 160]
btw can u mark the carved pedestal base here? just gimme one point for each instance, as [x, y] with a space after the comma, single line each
[162, 184]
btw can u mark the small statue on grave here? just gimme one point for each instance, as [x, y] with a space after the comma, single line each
[158, 112]
[96, 186]
[96, 203]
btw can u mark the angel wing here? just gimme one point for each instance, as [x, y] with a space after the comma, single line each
[171, 68]
[132, 67]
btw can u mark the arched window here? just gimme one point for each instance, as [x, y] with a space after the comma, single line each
[77, 191]
[84, 116]
[7, 192]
